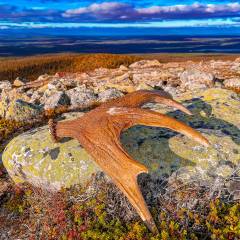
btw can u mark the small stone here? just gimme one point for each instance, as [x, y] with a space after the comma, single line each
[43, 77]
[123, 68]
[71, 115]
[233, 187]
[19, 82]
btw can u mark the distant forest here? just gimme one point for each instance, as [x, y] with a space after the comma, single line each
[32, 67]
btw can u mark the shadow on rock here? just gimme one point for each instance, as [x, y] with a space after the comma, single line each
[154, 148]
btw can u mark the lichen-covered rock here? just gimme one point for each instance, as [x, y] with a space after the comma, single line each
[22, 111]
[108, 94]
[58, 99]
[56, 85]
[81, 97]
[194, 79]
[5, 85]
[144, 76]
[36, 96]
[216, 115]
[18, 109]
[33, 157]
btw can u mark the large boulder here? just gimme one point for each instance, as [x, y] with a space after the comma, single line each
[109, 94]
[192, 79]
[13, 107]
[22, 111]
[34, 158]
[46, 164]
[81, 97]
[59, 98]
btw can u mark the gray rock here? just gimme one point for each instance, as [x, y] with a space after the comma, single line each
[56, 85]
[5, 85]
[195, 79]
[172, 90]
[45, 95]
[21, 111]
[57, 99]
[36, 96]
[81, 97]
[108, 94]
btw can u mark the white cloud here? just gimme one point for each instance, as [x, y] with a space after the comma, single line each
[116, 11]
[97, 8]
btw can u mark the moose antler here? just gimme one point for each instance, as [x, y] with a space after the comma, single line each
[98, 131]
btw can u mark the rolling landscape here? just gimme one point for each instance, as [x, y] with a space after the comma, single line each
[28, 46]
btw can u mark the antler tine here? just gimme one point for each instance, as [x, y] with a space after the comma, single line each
[136, 116]
[123, 170]
[138, 98]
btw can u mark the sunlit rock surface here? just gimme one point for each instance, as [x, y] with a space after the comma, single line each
[33, 157]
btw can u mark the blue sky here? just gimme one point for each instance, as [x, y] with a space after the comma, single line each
[57, 14]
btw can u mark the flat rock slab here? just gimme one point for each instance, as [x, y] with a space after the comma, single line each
[33, 157]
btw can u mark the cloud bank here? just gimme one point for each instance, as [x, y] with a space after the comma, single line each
[120, 12]
[114, 11]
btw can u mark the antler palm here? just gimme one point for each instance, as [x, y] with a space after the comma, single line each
[98, 131]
